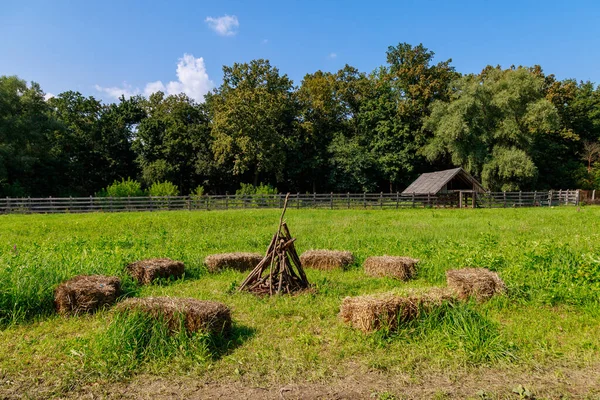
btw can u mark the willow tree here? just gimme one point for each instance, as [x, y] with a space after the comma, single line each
[489, 126]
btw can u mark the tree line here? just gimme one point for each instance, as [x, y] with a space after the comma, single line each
[514, 129]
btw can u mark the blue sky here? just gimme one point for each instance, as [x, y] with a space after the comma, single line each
[96, 47]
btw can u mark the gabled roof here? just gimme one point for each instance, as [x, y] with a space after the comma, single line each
[433, 182]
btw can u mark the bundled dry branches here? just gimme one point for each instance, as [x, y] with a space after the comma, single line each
[280, 260]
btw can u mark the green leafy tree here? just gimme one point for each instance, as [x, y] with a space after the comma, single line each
[173, 141]
[26, 167]
[253, 115]
[92, 142]
[490, 125]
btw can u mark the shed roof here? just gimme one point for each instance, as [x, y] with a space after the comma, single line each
[433, 182]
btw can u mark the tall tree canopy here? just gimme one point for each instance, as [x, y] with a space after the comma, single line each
[253, 114]
[490, 124]
[515, 128]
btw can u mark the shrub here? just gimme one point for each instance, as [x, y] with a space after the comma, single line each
[165, 188]
[250, 189]
[198, 192]
[123, 188]
[259, 193]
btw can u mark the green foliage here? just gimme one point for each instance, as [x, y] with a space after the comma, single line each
[490, 125]
[250, 134]
[249, 189]
[123, 188]
[198, 192]
[349, 130]
[165, 188]
[134, 339]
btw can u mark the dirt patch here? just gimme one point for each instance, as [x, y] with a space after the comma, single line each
[557, 382]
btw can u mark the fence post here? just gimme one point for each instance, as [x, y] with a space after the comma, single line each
[520, 199]
[397, 199]
[413, 200]
[365, 199]
[331, 200]
[429, 200]
[348, 199]
[226, 200]
[577, 197]
[504, 193]
[314, 199]
[298, 200]
[550, 198]
[567, 197]
[29, 204]
[534, 198]
[128, 203]
[381, 200]
[559, 196]
[7, 205]
[593, 194]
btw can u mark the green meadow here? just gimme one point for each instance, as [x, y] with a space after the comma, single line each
[548, 320]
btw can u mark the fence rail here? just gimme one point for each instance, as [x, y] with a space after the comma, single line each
[315, 200]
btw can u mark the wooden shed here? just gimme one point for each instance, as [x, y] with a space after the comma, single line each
[456, 182]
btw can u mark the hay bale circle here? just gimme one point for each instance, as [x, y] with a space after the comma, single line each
[480, 283]
[206, 316]
[326, 259]
[145, 271]
[403, 268]
[235, 261]
[390, 310]
[86, 294]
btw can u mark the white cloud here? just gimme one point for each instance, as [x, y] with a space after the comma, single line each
[192, 79]
[116, 92]
[332, 55]
[225, 26]
[48, 96]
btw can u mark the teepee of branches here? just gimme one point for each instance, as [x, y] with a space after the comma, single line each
[280, 271]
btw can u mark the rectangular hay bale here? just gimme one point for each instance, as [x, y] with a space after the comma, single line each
[197, 315]
[86, 294]
[326, 259]
[389, 310]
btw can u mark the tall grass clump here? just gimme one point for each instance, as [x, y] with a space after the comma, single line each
[459, 330]
[135, 341]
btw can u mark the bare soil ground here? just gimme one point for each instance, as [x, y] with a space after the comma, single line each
[484, 383]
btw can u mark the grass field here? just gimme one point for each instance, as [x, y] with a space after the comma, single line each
[539, 341]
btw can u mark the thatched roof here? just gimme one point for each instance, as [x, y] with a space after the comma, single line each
[433, 182]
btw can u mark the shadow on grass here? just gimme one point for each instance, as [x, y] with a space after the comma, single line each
[221, 345]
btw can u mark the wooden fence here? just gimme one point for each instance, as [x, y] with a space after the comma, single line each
[315, 200]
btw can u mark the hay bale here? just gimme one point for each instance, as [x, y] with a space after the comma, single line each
[326, 259]
[145, 271]
[86, 294]
[402, 268]
[197, 315]
[478, 282]
[236, 261]
[390, 310]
